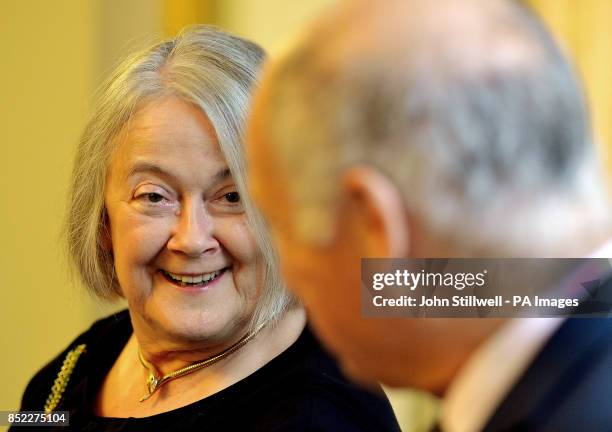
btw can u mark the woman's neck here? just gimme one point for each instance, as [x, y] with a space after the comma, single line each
[168, 355]
[128, 376]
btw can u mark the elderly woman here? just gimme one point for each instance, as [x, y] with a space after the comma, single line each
[159, 215]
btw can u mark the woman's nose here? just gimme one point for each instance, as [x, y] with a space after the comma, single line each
[194, 233]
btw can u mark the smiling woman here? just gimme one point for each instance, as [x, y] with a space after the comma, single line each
[159, 215]
[184, 256]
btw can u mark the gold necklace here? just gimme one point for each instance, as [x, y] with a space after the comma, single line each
[154, 381]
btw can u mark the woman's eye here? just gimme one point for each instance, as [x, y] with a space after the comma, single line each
[154, 197]
[151, 197]
[232, 197]
[227, 203]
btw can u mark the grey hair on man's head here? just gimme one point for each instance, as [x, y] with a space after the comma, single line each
[472, 110]
[202, 65]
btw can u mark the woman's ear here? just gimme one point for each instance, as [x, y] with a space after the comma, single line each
[378, 205]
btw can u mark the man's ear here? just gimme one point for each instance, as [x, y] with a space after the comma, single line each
[377, 204]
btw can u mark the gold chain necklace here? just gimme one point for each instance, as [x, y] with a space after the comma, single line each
[154, 381]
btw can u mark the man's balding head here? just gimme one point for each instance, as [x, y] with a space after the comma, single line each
[427, 129]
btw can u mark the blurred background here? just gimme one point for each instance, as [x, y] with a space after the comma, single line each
[55, 55]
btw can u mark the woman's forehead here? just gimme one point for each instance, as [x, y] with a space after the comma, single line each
[169, 137]
[168, 119]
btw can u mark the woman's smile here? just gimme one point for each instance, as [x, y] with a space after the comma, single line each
[194, 282]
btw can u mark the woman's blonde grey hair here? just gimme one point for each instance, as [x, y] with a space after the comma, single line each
[205, 66]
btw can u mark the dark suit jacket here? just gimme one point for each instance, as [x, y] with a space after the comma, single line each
[568, 387]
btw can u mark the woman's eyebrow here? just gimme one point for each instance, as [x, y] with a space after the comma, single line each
[150, 167]
[140, 167]
[222, 174]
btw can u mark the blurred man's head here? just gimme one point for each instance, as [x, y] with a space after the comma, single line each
[419, 129]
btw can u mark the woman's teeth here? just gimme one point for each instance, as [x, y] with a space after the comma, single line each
[193, 280]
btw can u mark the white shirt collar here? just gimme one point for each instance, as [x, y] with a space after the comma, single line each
[605, 251]
[491, 371]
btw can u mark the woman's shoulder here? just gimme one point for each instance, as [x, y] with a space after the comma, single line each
[316, 395]
[111, 329]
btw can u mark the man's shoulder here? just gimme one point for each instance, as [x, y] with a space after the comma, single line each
[568, 385]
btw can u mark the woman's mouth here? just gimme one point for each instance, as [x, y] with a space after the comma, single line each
[193, 281]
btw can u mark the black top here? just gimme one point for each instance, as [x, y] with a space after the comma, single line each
[299, 390]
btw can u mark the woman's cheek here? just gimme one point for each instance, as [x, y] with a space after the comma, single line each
[236, 237]
[144, 238]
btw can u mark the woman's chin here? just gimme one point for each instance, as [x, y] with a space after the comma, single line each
[210, 331]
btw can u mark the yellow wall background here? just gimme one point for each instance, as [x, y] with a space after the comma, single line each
[45, 81]
[54, 56]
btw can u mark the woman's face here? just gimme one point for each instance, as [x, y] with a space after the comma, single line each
[184, 256]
